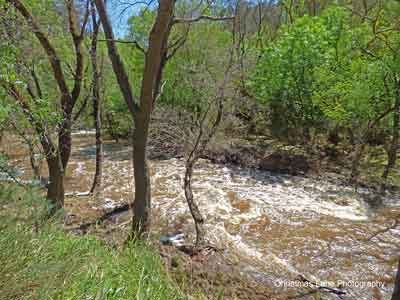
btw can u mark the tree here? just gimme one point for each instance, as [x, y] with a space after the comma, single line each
[360, 89]
[385, 48]
[96, 97]
[201, 82]
[156, 56]
[57, 155]
[207, 128]
[284, 77]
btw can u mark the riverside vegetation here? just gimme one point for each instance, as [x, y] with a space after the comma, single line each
[41, 261]
[253, 127]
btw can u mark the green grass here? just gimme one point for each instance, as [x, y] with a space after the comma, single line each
[38, 260]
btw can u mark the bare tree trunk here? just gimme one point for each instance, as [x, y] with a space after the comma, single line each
[312, 8]
[116, 61]
[55, 189]
[396, 291]
[194, 209]
[194, 155]
[202, 140]
[110, 126]
[199, 146]
[97, 182]
[154, 62]
[355, 166]
[352, 138]
[392, 152]
[142, 203]
[35, 165]
[65, 140]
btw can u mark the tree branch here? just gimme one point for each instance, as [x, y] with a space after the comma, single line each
[177, 45]
[45, 139]
[116, 61]
[36, 81]
[135, 43]
[82, 108]
[85, 20]
[77, 37]
[47, 46]
[202, 17]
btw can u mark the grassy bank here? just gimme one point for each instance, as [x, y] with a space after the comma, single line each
[38, 260]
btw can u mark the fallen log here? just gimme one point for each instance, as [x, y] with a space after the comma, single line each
[115, 211]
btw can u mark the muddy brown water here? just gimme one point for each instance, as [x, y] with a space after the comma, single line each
[277, 226]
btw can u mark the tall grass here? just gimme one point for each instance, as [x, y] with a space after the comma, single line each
[38, 260]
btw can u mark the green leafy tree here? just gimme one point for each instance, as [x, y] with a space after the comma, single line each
[285, 77]
[359, 89]
[47, 99]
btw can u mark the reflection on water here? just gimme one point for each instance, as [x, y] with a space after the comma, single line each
[279, 225]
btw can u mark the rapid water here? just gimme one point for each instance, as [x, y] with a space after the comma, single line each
[277, 226]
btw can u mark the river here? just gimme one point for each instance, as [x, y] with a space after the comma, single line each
[279, 226]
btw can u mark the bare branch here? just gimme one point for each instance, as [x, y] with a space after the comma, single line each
[83, 107]
[177, 45]
[202, 17]
[135, 43]
[116, 61]
[37, 83]
[85, 20]
[77, 38]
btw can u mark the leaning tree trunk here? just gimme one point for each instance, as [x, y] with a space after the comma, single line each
[97, 182]
[396, 291]
[392, 152]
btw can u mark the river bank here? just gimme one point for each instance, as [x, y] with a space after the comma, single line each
[268, 228]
